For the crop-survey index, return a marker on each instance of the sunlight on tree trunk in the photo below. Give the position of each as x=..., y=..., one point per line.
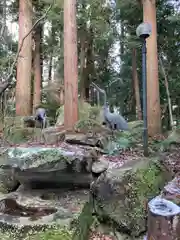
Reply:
x=136, y=85
x=23, y=84
x=154, y=112
x=37, y=68
x=70, y=64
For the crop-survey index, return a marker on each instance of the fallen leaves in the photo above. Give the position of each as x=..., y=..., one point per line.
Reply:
x=100, y=236
x=172, y=160
x=117, y=161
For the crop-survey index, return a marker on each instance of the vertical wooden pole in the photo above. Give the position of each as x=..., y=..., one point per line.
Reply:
x=70, y=64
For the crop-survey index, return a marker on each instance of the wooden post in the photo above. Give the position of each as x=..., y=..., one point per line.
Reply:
x=70, y=64
x=163, y=220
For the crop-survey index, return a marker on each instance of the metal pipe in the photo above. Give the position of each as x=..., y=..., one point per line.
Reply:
x=144, y=81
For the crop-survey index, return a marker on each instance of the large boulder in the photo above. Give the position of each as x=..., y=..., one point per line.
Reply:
x=120, y=194
x=65, y=166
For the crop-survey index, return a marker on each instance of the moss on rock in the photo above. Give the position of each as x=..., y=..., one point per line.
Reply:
x=48, y=234
x=122, y=194
x=56, y=234
x=144, y=184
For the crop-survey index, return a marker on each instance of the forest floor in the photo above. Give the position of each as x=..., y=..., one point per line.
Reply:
x=117, y=160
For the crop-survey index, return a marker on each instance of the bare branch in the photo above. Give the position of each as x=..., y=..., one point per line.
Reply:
x=167, y=92
x=97, y=88
x=20, y=48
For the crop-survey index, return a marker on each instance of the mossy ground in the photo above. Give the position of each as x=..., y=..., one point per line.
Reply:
x=49, y=234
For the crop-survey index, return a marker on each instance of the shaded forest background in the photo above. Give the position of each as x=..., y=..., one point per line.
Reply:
x=109, y=54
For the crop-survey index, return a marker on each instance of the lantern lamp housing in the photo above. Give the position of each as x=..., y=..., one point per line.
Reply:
x=144, y=30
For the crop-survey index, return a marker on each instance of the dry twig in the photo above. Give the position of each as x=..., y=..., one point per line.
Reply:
x=167, y=92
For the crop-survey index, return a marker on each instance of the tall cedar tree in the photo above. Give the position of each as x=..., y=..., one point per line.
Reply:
x=70, y=64
x=37, y=67
x=153, y=107
x=24, y=63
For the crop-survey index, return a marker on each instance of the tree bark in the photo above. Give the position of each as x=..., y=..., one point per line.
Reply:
x=37, y=68
x=163, y=224
x=136, y=85
x=4, y=13
x=70, y=64
x=122, y=40
x=83, y=46
x=153, y=106
x=82, y=67
x=90, y=69
x=23, y=84
x=50, y=68
x=51, y=53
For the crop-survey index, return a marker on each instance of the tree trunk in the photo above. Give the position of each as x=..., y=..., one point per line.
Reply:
x=163, y=220
x=83, y=60
x=90, y=69
x=23, y=84
x=70, y=64
x=87, y=89
x=50, y=68
x=41, y=51
x=37, y=68
x=82, y=67
x=4, y=13
x=51, y=53
x=153, y=102
x=122, y=40
x=136, y=85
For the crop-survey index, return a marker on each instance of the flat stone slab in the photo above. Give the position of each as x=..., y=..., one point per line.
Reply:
x=68, y=205
x=64, y=165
